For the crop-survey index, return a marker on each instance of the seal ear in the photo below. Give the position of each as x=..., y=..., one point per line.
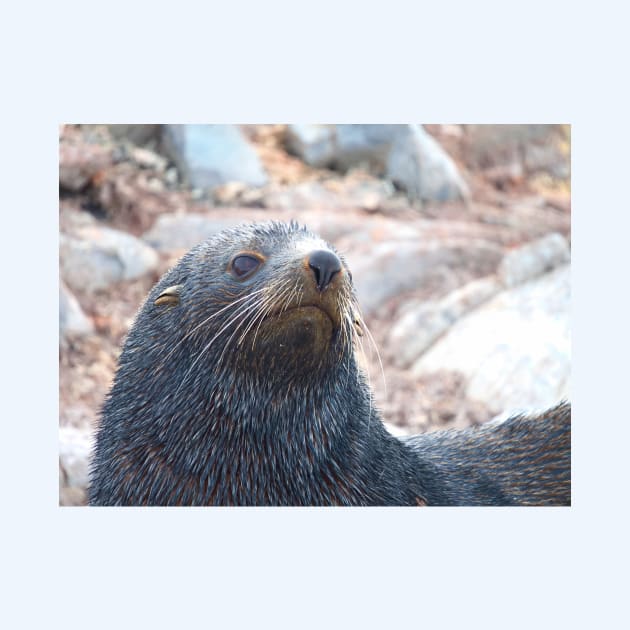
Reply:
x=169, y=297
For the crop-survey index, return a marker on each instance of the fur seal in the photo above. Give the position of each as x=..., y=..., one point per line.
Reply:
x=238, y=385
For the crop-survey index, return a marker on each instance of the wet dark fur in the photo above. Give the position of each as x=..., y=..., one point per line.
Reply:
x=268, y=423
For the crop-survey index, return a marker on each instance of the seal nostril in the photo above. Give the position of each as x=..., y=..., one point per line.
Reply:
x=324, y=265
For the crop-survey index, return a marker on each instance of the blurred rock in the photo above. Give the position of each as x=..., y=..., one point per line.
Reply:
x=136, y=134
x=419, y=165
x=79, y=162
x=531, y=260
x=171, y=177
x=492, y=145
x=177, y=232
x=80, y=415
x=230, y=193
x=365, y=193
x=74, y=452
x=71, y=220
x=343, y=146
x=546, y=157
x=407, y=154
x=148, y=159
x=97, y=257
x=527, y=219
x=510, y=413
x=532, y=147
x=333, y=226
x=394, y=430
x=315, y=144
x=455, y=131
x=133, y=198
x=72, y=496
x=355, y=144
x=301, y=196
x=211, y=155
x=390, y=268
x=422, y=322
x=505, y=175
x=514, y=350
x=561, y=202
x=72, y=319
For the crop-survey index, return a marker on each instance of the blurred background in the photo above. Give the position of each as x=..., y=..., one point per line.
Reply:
x=458, y=237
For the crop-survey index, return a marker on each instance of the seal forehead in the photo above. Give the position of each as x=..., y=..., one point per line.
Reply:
x=268, y=231
x=308, y=243
x=276, y=236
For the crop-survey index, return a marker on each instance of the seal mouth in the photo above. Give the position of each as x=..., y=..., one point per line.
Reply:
x=308, y=309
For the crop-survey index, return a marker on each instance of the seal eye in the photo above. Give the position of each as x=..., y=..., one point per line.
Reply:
x=244, y=265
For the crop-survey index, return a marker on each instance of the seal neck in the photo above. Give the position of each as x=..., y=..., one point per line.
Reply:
x=236, y=439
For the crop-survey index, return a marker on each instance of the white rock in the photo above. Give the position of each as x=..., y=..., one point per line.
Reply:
x=96, y=257
x=532, y=260
x=515, y=350
x=394, y=430
x=423, y=322
x=175, y=232
x=75, y=446
x=72, y=319
x=388, y=269
x=417, y=163
x=211, y=155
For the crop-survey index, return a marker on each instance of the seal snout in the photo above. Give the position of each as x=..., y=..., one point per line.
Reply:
x=324, y=264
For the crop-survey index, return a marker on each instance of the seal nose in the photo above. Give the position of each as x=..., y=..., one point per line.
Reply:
x=324, y=265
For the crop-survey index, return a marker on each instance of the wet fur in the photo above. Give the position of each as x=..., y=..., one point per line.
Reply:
x=211, y=408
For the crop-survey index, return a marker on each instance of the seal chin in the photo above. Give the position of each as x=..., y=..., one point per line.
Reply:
x=294, y=341
x=305, y=325
x=312, y=311
x=308, y=312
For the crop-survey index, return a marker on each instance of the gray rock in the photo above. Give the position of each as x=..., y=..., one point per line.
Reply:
x=79, y=162
x=388, y=269
x=75, y=445
x=421, y=323
x=532, y=260
x=136, y=134
x=355, y=144
x=175, y=232
x=72, y=319
x=96, y=257
x=514, y=350
x=315, y=144
x=407, y=155
x=343, y=146
x=419, y=165
x=211, y=155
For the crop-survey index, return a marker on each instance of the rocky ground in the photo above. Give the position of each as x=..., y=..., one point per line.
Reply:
x=460, y=251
